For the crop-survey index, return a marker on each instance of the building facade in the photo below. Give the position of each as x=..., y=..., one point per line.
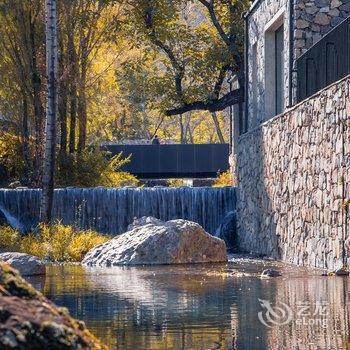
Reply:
x=278, y=33
x=293, y=159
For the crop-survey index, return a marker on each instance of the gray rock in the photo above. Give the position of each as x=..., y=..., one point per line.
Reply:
x=228, y=230
x=144, y=221
x=341, y=272
x=154, y=242
x=27, y=265
x=270, y=273
x=15, y=184
x=322, y=19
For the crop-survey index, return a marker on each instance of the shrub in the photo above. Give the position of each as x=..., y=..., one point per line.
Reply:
x=82, y=243
x=33, y=245
x=225, y=179
x=9, y=239
x=92, y=168
x=57, y=242
x=176, y=183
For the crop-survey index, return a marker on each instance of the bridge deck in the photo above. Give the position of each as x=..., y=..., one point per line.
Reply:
x=174, y=161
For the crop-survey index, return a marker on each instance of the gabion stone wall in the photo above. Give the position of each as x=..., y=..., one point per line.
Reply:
x=315, y=18
x=294, y=183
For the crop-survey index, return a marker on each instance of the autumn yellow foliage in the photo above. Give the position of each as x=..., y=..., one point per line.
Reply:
x=56, y=242
x=9, y=239
x=225, y=179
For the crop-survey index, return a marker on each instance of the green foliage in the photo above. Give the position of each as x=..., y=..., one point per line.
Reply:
x=58, y=242
x=188, y=42
x=92, y=168
x=122, y=64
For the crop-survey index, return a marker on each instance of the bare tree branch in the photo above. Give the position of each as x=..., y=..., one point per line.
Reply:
x=210, y=7
x=231, y=98
x=179, y=69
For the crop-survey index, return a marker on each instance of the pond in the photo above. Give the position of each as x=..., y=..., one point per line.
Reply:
x=205, y=307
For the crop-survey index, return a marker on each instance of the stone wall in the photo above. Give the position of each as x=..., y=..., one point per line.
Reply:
x=315, y=18
x=294, y=182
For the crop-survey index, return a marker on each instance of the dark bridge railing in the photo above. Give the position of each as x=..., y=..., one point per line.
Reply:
x=174, y=161
x=326, y=62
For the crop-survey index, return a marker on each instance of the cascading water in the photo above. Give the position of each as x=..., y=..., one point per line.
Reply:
x=11, y=220
x=111, y=210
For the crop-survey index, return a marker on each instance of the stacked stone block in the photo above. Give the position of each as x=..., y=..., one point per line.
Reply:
x=315, y=18
x=294, y=183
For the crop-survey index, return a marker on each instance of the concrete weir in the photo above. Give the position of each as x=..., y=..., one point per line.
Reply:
x=110, y=210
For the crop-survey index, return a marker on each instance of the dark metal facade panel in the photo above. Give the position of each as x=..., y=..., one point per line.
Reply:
x=326, y=62
x=174, y=161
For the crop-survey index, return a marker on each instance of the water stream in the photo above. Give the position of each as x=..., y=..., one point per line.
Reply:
x=206, y=306
x=112, y=210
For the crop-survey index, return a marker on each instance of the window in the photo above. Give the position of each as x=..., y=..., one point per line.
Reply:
x=275, y=66
x=255, y=85
x=279, y=70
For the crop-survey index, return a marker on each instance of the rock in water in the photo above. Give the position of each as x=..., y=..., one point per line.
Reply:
x=154, y=242
x=270, y=273
x=29, y=321
x=341, y=272
x=27, y=265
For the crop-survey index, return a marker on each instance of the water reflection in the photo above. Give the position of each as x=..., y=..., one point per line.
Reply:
x=206, y=307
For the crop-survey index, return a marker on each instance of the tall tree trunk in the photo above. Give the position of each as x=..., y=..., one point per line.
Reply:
x=82, y=113
x=62, y=103
x=181, y=129
x=25, y=134
x=51, y=111
x=37, y=105
x=72, y=58
x=73, y=116
x=217, y=127
x=62, y=111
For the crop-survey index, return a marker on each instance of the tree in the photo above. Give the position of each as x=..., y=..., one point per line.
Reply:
x=51, y=111
x=21, y=78
x=199, y=43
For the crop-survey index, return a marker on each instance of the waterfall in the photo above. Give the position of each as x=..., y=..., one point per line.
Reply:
x=11, y=220
x=108, y=210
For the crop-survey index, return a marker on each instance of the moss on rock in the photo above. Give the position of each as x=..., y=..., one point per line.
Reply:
x=28, y=320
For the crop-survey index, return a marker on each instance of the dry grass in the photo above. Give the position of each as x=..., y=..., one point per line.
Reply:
x=57, y=242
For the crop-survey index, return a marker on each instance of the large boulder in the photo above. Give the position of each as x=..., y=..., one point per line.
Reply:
x=29, y=321
x=155, y=242
x=27, y=265
x=228, y=231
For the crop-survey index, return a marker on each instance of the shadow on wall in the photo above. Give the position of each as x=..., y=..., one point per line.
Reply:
x=257, y=229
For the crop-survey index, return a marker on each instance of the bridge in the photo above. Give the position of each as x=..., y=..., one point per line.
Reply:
x=192, y=161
